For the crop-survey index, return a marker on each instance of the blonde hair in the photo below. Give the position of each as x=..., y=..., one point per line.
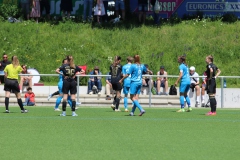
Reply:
x=116, y=60
x=130, y=59
x=15, y=61
x=71, y=61
x=210, y=57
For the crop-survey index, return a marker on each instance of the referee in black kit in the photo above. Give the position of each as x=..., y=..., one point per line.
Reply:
x=69, y=84
x=212, y=73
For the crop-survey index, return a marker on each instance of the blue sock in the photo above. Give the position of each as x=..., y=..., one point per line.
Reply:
x=58, y=101
x=133, y=108
x=182, y=101
x=136, y=103
x=69, y=101
x=125, y=102
x=188, y=101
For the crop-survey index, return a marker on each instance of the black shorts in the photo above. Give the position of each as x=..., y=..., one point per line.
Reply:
x=11, y=85
x=211, y=86
x=69, y=85
x=117, y=86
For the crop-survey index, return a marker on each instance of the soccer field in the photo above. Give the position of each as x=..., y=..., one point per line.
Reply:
x=100, y=133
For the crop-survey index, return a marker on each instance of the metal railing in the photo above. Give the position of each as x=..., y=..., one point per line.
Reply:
x=150, y=77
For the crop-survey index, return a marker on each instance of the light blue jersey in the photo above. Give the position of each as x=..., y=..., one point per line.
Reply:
x=136, y=71
x=185, y=74
x=125, y=69
x=185, y=80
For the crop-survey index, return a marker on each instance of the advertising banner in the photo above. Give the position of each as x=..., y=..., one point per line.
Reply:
x=209, y=8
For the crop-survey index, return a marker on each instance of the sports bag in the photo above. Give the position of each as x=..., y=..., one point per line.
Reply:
x=173, y=90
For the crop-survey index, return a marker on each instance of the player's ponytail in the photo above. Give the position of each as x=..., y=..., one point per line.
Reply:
x=182, y=59
x=71, y=61
x=15, y=61
x=137, y=59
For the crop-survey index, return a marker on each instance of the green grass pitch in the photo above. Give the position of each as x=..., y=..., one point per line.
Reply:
x=100, y=133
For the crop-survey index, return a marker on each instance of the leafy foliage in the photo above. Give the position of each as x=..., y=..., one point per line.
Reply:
x=9, y=10
x=43, y=46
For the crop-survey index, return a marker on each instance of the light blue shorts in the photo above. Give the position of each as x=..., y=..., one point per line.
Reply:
x=135, y=88
x=184, y=88
x=126, y=89
x=119, y=4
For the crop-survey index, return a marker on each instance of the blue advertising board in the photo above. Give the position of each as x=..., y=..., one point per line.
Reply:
x=209, y=8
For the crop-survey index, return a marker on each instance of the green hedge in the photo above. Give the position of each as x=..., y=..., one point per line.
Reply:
x=43, y=46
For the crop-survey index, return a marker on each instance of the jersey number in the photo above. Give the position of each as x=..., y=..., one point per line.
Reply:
x=70, y=72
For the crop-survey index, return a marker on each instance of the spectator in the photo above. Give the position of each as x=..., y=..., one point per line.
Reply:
x=66, y=6
x=145, y=79
x=195, y=84
x=95, y=81
x=120, y=4
x=99, y=10
x=35, y=13
x=25, y=80
x=45, y=4
x=25, y=4
x=162, y=81
x=105, y=3
x=204, y=82
x=142, y=9
x=29, y=98
x=88, y=4
x=156, y=16
x=109, y=89
x=3, y=63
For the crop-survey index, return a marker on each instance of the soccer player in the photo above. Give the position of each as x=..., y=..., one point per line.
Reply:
x=69, y=84
x=116, y=75
x=136, y=70
x=184, y=84
x=127, y=81
x=212, y=73
x=60, y=87
x=11, y=72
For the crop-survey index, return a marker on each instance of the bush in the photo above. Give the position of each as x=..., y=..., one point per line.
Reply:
x=9, y=10
x=229, y=17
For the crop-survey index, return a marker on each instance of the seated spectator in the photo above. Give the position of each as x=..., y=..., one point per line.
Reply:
x=204, y=82
x=109, y=89
x=145, y=79
x=29, y=98
x=195, y=84
x=3, y=63
x=95, y=83
x=25, y=80
x=162, y=81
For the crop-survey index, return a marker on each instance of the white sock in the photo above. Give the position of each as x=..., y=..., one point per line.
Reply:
x=198, y=99
x=203, y=98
